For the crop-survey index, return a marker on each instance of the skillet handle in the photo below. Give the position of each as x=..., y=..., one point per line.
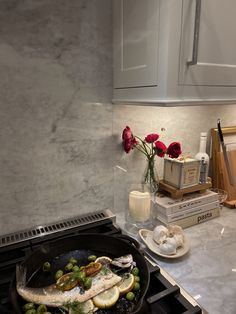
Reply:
x=129, y=239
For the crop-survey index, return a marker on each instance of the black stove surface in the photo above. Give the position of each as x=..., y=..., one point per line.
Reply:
x=162, y=297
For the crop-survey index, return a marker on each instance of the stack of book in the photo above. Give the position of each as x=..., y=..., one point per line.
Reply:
x=190, y=210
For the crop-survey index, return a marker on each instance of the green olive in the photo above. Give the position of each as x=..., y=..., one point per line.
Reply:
x=75, y=268
x=136, y=278
x=69, y=267
x=73, y=260
x=33, y=311
x=87, y=283
x=81, y=276
x=130, y=296
x=135, y=271
x=41, y=309
x=136, y=286
x=58, y=274
x=92, y=258
x=28, y=306
x=46, y=267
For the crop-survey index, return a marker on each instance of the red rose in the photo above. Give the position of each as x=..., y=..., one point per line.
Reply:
x=151, y=138
x=160, y=148
x=127, y=134
x=174, y=150
x=129, y=144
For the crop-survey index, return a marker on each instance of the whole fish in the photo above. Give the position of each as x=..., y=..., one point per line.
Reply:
x=53, y=297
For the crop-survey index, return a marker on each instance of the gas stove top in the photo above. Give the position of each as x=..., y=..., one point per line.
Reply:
x=164, y=294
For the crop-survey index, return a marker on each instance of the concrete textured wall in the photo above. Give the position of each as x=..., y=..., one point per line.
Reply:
x=55, y=110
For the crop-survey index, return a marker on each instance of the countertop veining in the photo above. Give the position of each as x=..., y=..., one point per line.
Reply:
x=208, y=271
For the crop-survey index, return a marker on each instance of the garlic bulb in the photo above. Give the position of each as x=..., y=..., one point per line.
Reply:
x=174, y=229
x=160, y=233
x=177, y=233
x=168, y=247
x=179, y=238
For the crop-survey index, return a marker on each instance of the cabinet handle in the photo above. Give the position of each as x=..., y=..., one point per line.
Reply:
x=196, y=33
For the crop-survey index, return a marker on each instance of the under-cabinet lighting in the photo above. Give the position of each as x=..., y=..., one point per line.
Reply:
x=198, y=296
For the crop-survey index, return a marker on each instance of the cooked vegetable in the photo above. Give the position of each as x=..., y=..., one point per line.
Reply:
x=33, y=311
x=41, y=309
x=69, y=267
x=87, y=283
x=92, y=258
x=86, y=279
x=80, y=276
x=59, y=274
x=66, y=282
x=136, y=278
x=28, y=306
x=130, y=296
x=46, y=267
x=136, y=286
x=73, y=260
x=92, y=268
x=75, y=268
x=135, y=271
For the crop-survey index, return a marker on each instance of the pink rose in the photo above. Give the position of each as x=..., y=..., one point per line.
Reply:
x=160, y=148
x=151, y=138
x=174, y=150
x=127, y=134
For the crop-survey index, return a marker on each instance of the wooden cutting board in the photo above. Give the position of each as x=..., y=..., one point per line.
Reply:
x=231, y=189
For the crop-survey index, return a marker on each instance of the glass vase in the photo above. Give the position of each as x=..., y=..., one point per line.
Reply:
x=150, y=177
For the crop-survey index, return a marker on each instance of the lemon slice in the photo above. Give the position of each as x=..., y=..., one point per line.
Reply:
x=126, y=284
x=66, y=282
x=107, y=298
x=85, y=308
x=104, y=260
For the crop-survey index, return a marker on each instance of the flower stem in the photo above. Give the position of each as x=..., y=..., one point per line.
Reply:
x=145, y=147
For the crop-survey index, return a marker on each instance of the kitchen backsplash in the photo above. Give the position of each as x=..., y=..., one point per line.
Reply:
x=55, y=110
x=60, y=136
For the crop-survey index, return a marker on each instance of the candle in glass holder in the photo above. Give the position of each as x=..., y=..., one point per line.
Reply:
x=139, y=206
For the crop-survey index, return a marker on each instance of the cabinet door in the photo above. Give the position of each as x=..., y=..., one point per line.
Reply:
x=135, y=26
x=216, y=49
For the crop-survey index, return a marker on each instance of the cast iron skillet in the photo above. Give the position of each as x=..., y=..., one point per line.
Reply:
x=79, y=246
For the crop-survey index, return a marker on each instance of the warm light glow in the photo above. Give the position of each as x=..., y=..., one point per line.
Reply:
x=139, y=205
x=222, y=231
x=198, y=296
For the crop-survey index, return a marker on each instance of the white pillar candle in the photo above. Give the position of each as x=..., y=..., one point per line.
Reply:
x=139, y=205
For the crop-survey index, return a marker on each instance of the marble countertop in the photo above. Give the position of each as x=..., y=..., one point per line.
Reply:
x=208, y=271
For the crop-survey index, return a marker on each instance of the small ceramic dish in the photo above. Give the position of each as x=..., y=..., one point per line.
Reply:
x=147, y=237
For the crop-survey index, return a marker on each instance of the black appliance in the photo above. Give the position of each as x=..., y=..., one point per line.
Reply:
x=163, y=296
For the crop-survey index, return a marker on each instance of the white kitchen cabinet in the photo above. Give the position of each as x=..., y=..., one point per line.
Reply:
x=174, y=52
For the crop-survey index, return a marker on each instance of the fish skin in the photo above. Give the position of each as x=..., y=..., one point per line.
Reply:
x=52, y=297
x=123, y=262
x=124, y=259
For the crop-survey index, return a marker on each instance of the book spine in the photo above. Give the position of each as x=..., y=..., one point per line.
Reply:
x=186, y=204
x=195, y=219
x=188, y=212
